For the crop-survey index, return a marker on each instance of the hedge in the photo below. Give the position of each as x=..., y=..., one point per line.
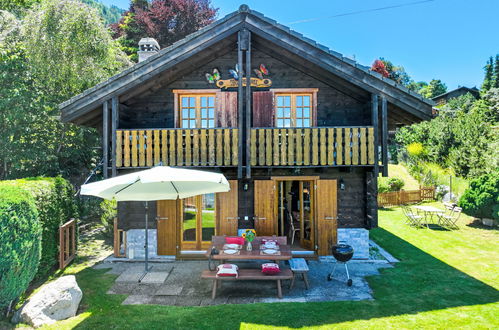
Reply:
x=20, y=242
x=55, y=204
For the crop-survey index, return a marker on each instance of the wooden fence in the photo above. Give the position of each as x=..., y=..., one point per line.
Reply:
x=67, y=243
x=177, y=147
x=312, y=146
x=406, y=196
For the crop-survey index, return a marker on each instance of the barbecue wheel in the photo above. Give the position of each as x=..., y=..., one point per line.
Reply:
x=330, y=277
x=349, y=282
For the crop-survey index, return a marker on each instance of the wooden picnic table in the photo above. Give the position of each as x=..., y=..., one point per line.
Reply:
x=243, y=254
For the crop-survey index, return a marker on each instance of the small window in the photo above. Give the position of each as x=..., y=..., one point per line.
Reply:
x=294, y=110
x=197, y=111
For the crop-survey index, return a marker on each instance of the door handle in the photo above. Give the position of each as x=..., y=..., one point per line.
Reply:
x=258, y=218
x=161, y=218
x=232, y=218
x=329, y=218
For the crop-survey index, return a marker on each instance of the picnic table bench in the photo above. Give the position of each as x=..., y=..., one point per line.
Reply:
x=248, y=274
x=299, y=266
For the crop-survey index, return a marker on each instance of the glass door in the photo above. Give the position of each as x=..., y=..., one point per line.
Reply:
x=306, y=215
x=198, y=222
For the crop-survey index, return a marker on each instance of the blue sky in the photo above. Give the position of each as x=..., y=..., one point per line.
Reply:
x=444, y=39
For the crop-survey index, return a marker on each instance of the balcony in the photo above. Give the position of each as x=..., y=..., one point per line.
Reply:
x=177, y=147
x=319, y=146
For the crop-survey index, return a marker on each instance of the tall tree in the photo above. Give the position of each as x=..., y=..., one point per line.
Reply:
x=165, y=20
x=63, y=48
x=434, y=88
x=496, y=72
x=488, y=80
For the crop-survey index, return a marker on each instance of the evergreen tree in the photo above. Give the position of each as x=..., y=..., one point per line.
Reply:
x=496, y=73
x=434, y=88
x=489, y=75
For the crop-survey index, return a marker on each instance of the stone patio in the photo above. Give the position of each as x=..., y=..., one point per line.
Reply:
x=178, y=283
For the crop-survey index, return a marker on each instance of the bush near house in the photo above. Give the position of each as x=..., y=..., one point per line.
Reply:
x=20, y=244
x=390, y=184
x=54, y=201
x=481, y=199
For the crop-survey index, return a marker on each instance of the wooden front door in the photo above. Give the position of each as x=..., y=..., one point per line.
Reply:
x=327, y=215
x=227, y=208
x=264, y=202
x=167, y=226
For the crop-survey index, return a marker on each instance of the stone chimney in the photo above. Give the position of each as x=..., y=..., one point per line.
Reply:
x=147, y=48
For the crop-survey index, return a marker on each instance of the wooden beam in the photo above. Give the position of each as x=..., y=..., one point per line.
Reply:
x=248, y=103
x=114, y=126
x=375, y=124
x=384, y=135
x=240, y=105
x=105, y=138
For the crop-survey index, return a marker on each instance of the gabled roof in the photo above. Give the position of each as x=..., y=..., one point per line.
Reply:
x=266, y=28
x=474, y=91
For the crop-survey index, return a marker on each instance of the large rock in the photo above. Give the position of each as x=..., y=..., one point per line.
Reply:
x=57, y=300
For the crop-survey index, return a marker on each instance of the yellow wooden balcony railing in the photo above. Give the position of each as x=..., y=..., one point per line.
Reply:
x=177, y=147
x=319, y=146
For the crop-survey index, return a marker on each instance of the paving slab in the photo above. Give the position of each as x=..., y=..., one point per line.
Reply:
x=155, y=277
x=188, y=301
x=146, y=289
x=132, y=274
x=169, y=290
x=122, y=288
x=164, y=300
x=137, y=300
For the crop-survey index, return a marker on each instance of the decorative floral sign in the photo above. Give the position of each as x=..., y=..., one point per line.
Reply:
x=238, y=75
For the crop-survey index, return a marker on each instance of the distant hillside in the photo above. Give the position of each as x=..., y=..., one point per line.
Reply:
x=110, y=14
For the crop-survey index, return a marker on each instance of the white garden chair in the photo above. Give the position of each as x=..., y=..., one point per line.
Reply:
x=412, y=219
x=450, y=220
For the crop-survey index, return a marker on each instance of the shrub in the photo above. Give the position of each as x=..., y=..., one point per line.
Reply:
x=108, y=213
x=20, y=244
x=481, y=199
x=55, y=204
x=415, y=149
x=390, y=184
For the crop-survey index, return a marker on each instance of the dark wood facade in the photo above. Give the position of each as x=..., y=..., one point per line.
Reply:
x=341, y=151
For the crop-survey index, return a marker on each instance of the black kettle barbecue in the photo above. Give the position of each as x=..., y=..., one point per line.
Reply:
x=342, y=252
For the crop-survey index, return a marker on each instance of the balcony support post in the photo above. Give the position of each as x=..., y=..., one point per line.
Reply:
x=105, y=138
x=384, y=135
x=248, y=105
x=372, y=176
x=114, y=126
x=240, y=104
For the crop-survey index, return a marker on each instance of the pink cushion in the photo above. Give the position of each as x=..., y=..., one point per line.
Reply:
x=270, y=268
x=227, y=270
x=234, y=240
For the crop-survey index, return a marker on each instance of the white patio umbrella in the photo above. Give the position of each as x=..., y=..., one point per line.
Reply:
x=157, y=183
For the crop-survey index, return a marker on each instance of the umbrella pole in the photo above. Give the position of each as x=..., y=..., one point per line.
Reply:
x=146, y=245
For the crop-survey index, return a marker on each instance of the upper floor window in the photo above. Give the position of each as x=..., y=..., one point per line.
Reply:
x=197, y=110
x=293, y=110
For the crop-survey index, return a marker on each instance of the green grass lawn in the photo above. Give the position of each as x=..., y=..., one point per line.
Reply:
x=446, y=279
x=401, y=172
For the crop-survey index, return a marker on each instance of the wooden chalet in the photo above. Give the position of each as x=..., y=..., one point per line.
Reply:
x=305, y=139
